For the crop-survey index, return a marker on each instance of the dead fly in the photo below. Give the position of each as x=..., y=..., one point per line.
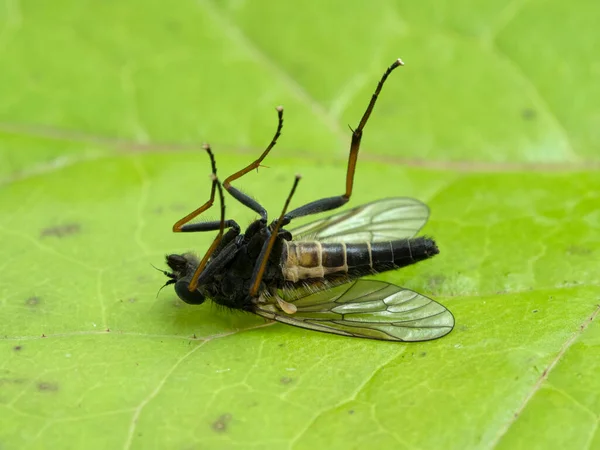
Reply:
x=309, y=276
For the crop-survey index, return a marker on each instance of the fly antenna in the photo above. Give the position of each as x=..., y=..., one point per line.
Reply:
x=164, y=272
x=171, y=281
x=168, y=274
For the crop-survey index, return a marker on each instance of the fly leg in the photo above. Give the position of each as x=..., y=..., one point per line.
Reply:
x=232, y=232
x=218, y=245
x=240, y=196
x=327, y=204
x=226, y=254
x=182, y=285
x=273, y=233
x=180, y=225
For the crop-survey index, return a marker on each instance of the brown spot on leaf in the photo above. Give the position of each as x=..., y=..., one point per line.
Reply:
x=578, y=250
x=47, y=386
x=351, y=411
x=17, y=348
x=33, y=301
x=286, y=380
x=12, y=381
x=220, y=425
x=528, y=114
x=61, y=231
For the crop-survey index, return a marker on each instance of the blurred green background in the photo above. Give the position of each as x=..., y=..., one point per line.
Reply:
x=494, y=122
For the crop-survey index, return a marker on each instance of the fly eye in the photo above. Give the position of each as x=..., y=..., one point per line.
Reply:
x=182, y=291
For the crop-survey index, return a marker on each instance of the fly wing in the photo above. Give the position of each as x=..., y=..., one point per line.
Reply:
x=389, y=219
x=365, y=308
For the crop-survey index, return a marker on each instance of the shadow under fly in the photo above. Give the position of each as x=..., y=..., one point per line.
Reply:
x=310, y=276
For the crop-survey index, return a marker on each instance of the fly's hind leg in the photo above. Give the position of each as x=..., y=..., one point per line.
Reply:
x=327, y=204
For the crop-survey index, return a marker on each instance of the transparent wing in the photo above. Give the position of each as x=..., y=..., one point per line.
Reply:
x=365, y=308
x=383, y=220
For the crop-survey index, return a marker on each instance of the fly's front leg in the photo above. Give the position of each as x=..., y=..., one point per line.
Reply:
x=232, y=233
x=180, y=225
x=327, y=204
x=217, y=242
x=218, y=262
x=183, y=225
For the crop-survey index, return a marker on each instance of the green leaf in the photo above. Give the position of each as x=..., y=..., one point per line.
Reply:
x=493, y=122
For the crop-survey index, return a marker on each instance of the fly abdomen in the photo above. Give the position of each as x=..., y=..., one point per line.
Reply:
x=303, y=260
x=401, y=253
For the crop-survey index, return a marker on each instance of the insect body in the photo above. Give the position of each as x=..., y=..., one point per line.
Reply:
x=310, y=276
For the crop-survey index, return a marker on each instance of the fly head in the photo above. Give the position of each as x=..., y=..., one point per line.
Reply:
x=183, y=268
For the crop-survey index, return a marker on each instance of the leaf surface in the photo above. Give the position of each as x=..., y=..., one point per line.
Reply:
x=493, y=123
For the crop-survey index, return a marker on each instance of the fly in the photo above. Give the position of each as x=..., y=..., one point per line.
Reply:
x=310, y=276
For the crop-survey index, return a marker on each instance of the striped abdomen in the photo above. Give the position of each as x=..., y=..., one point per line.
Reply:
x=313, y=259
